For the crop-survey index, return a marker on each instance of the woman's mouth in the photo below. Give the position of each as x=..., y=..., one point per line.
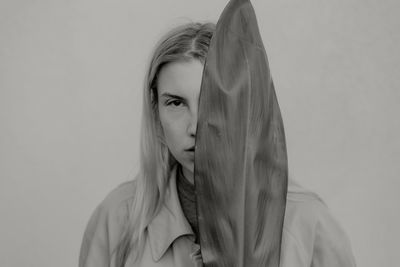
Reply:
x=191, y=149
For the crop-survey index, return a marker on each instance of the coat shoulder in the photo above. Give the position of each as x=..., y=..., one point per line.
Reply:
x=103, y=231
x=121, y=195
x=311, y=234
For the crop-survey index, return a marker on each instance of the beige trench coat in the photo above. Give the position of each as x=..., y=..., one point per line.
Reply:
x=311, y=236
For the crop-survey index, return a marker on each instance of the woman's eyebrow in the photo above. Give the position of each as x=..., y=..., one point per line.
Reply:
x=172, y=96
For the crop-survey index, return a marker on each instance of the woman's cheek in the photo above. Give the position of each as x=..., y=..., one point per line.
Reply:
x=175, y=115
x=171, y=124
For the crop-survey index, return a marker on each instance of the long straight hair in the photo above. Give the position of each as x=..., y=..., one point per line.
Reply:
x=186, y=42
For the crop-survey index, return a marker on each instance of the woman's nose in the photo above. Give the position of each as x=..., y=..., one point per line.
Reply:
x=192, y=127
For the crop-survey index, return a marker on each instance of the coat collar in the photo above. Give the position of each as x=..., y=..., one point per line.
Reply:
x=169, y=223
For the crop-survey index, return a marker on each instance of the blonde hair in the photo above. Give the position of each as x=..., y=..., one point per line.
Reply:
x=186, y=42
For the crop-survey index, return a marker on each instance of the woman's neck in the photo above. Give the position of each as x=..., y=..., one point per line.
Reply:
x=189, y=176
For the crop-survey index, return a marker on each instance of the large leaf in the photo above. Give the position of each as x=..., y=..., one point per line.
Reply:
x=240, y=159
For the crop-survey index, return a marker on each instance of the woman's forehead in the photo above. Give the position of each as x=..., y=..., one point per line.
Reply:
x=181, y=78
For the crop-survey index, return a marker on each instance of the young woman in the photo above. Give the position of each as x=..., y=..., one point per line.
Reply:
x=151, y=220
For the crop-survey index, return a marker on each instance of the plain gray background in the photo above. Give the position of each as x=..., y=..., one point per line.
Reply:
x=71, y=75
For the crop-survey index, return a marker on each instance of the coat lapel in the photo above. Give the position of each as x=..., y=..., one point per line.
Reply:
x=170, y=222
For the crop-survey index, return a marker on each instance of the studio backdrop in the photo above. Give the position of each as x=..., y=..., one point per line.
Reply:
x=71, y=76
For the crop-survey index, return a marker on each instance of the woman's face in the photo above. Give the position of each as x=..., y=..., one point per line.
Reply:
x=178, y=98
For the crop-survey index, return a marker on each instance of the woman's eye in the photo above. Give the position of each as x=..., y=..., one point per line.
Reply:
x=175, y=103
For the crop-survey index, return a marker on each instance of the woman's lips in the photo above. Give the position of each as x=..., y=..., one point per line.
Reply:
x=190, y=153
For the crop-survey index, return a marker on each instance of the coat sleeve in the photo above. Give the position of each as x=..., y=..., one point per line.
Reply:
x=103, y=231
x=95, y=245
x=331, y=245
